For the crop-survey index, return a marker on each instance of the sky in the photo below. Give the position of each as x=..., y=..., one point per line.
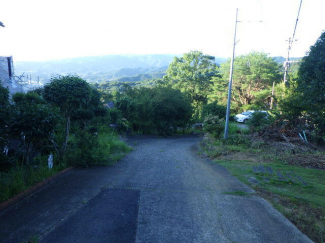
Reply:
x=39, y=30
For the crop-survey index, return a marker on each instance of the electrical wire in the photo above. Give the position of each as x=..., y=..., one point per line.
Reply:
x=261, y=12
x=294, y=31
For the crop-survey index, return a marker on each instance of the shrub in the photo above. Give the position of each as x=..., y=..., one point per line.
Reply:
x=19, y=178
x=86, y=148
x=237, y=139
x=214, y=109
x=159, y=110
x=214, y=126
x=259, y=120
x=33, y=123
x=115, y=115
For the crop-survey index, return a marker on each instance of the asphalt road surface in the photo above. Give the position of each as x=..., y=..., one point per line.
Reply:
x=163, y=191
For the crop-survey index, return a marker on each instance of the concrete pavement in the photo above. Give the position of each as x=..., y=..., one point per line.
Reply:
x=163, y=191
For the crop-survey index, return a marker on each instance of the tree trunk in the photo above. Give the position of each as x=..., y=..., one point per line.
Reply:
x=271, y=104
x=67, y=131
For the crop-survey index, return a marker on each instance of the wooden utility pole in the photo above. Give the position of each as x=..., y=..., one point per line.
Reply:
x=286, y=64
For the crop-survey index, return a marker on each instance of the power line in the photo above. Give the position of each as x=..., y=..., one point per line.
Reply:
x=261, y=12
x=294, y=32
x=291, y=40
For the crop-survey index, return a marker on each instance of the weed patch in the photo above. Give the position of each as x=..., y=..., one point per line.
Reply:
x=105, y=149
x=295, y=190
x=102, y=149
x=18, y=179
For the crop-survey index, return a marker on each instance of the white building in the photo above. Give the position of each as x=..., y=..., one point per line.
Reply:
x=7, y=74
x=6, y=69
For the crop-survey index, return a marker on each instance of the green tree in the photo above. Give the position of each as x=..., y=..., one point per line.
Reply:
x=4, y=109
x=69, y=93
x=91, y=115
x=214, y=109
x=33, y=122
x=311, y=84
x=6, y=115
x=253, y=76
x=192, y=73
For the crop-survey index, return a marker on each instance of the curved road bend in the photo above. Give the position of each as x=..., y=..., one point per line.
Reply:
x=163, y=191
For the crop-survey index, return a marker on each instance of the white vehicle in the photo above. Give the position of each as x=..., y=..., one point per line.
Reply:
x=243, y=117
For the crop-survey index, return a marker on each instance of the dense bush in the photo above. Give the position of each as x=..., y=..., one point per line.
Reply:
x=115, y=115
x=214, y=126
x=33, y=127
x=305, y=99
x=259, y=120
x=159, y=110
x=214, y=109
x=84, y=149
x=88, y=148
x=237, y=139
x=5, y=121
x=34, y=121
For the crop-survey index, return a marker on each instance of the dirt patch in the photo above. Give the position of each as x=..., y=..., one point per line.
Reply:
x=240, y=156
x=307, y=161
x=290, y=145
x=282, y=147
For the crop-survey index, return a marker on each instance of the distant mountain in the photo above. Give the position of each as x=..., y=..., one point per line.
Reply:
x=143, y=76
x=96, y=69
x=107, y=67
x=281, y=60
x=99, y=68
x=96, y=63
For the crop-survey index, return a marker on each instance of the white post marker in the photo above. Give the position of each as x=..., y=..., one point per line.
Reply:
x=50, y=161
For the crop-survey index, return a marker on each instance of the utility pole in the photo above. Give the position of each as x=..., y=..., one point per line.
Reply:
x=287, y=64
x=230, y=81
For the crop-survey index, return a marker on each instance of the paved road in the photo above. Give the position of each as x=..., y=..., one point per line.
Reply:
x=163, y=191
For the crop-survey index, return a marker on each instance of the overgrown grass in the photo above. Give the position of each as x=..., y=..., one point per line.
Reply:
x=303, y=203
x=235, y=129
x=103, y=148
x=117, y=149
x=107, y=150
x=312, y=192
x=19, y=178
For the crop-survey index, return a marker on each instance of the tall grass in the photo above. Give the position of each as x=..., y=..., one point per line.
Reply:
x=235, y=129
x=86, y=149
x=115, y=148
x=20, y=178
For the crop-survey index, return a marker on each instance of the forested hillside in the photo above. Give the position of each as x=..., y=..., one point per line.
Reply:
x=98, y=69
x=101, y=69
